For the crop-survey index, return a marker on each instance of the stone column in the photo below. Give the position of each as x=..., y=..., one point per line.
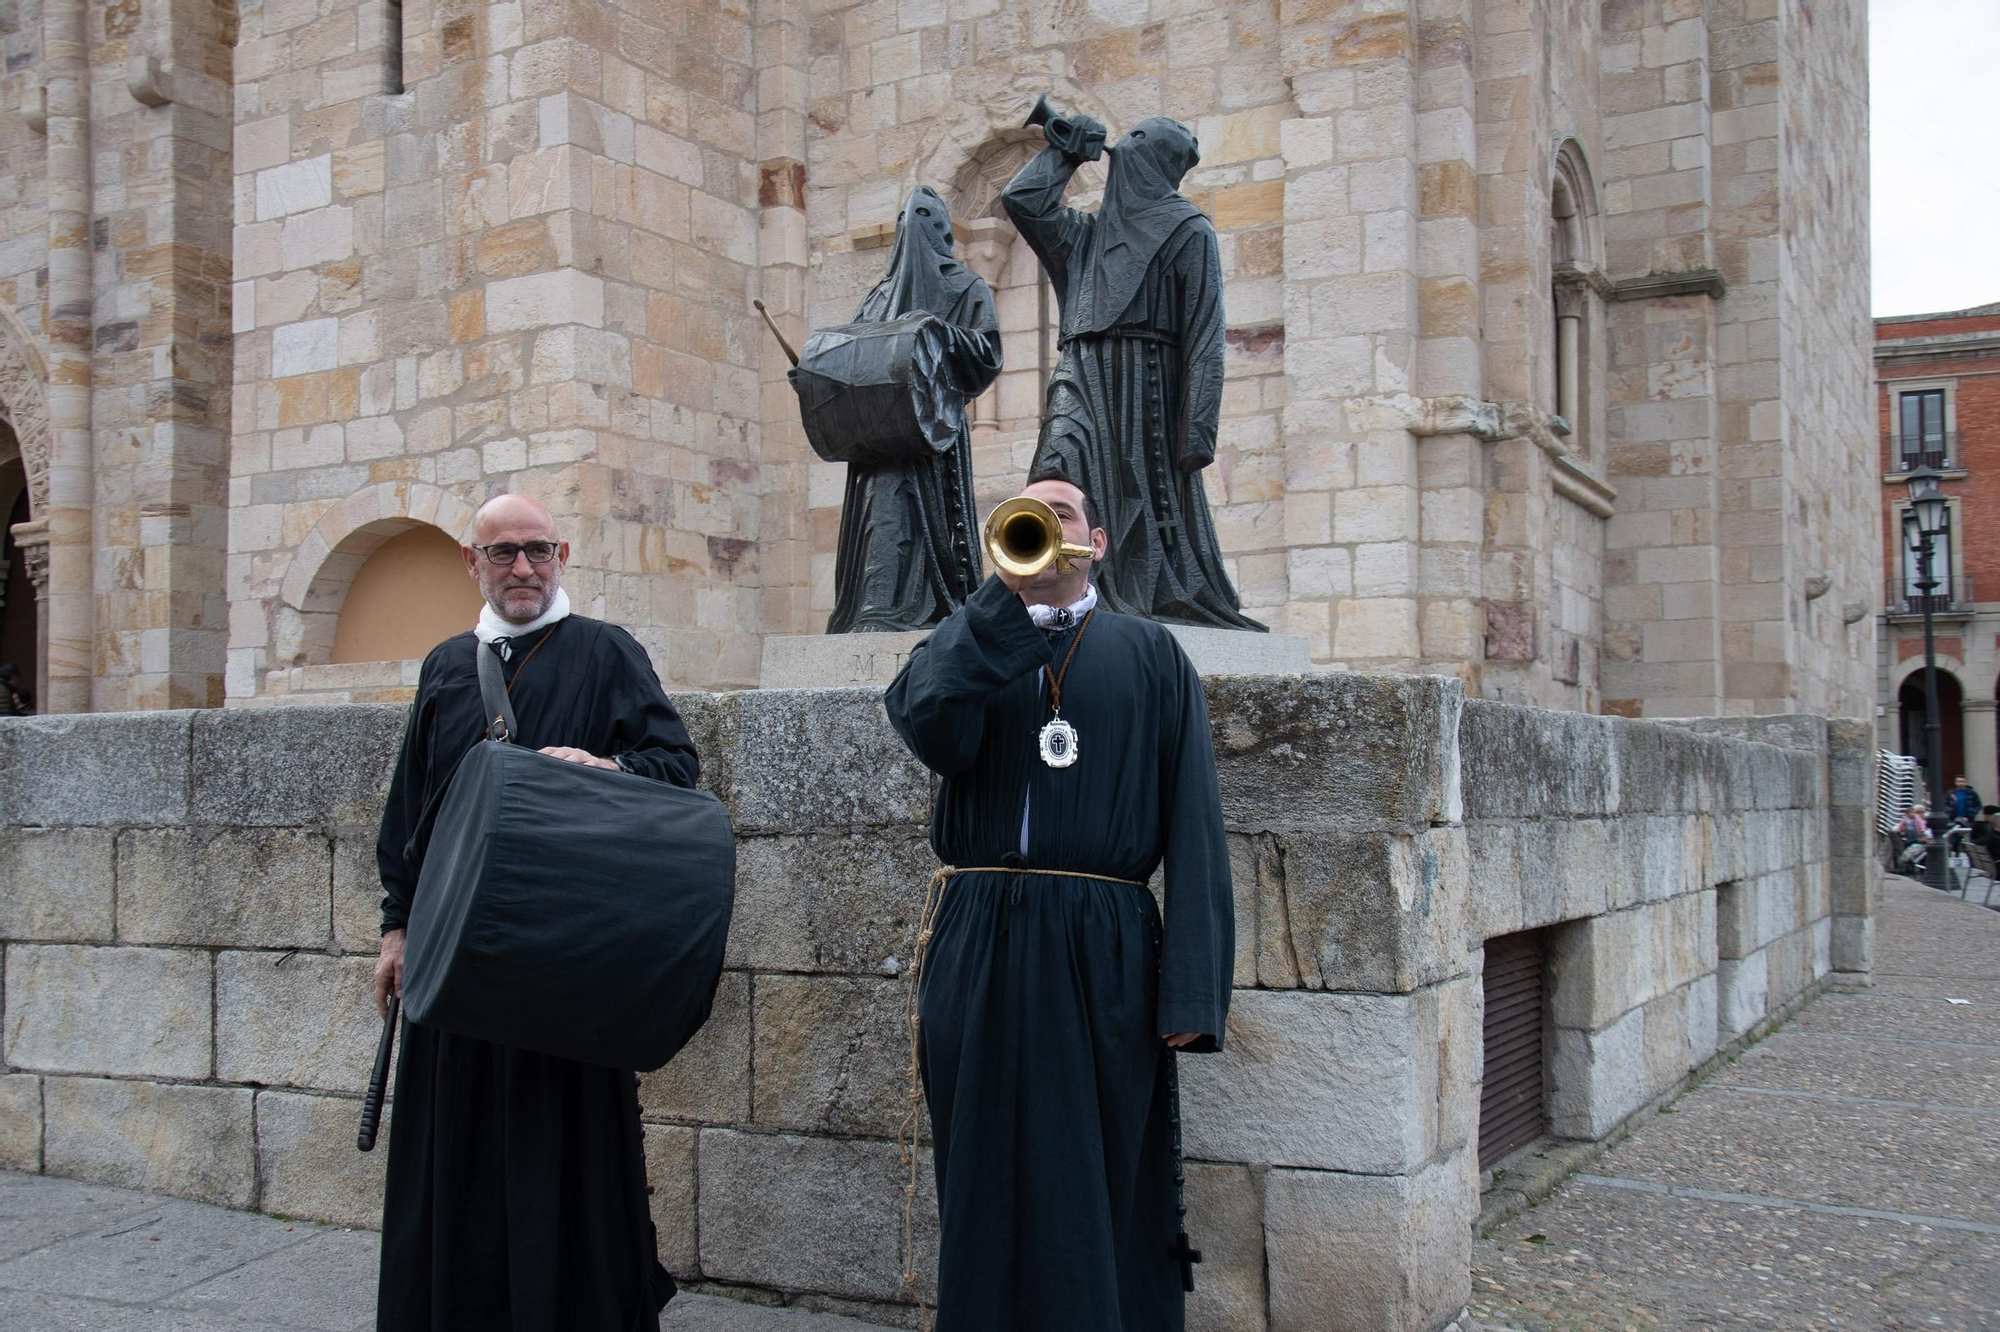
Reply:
x=31, y=539
x=1351, y=315
x=785, y=547
x=160, y=382
x=1663, y=641
x=70, y=655
x=1982, y=755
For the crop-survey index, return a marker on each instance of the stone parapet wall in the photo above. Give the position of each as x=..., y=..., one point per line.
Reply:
x=187, y=903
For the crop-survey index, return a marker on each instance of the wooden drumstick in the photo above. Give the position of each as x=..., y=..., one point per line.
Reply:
x=774, y=331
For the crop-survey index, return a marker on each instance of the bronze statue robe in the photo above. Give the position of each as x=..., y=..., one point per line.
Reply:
x=1137, y=390
x=909, y=543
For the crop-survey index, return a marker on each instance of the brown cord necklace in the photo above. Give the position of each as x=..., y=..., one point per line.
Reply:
x=1058, y=738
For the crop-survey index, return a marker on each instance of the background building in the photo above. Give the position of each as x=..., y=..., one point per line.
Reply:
x=1938, y=392
x=1547, y=359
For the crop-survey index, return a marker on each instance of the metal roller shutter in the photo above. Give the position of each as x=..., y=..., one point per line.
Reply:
x=1511, y=1108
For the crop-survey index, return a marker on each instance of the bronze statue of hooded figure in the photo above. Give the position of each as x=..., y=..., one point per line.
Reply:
x=1136, y=394
x=908, y=554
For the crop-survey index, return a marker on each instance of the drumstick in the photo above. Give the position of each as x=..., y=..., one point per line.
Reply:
x=774, y=331
x=378, y=1084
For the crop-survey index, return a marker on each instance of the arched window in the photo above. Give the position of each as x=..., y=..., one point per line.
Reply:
x=410, y=594
x=1576, y=273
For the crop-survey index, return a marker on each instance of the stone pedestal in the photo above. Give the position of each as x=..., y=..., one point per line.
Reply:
x=831, y=661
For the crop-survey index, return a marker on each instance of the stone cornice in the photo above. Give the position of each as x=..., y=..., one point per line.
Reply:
x=1941, y=347
x=1693, y=282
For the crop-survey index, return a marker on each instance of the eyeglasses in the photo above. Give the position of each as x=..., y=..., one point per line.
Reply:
x=504, y=552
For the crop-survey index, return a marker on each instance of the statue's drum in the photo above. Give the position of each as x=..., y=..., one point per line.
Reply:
x=879, y=393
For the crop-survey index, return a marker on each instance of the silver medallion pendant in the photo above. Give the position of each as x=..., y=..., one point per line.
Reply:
x=1058, y=744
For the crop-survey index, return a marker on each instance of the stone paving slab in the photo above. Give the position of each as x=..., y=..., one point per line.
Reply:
x=1905, y=1017
x=151, y=1254
x=1612, y=1260
x=1924, y=1162
x=90, y=1258
x=35, y=1211
x=1892, y=1068
x=1737, y=1208
x=327, y=1284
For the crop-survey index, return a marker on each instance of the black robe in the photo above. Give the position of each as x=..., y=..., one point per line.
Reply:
x=1044, y=1000
x=908, y=553
x=517, y=1182
x=1136, y=395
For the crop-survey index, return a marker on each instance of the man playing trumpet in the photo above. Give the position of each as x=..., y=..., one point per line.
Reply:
x=1073, y=744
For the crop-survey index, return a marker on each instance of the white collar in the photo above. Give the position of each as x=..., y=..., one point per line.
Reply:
x=491, y=626
x=1045, y=617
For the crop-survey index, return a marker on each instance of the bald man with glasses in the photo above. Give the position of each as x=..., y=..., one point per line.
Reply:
x=517, y=1182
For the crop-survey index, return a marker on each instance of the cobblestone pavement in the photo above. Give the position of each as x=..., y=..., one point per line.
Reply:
x=1842, y=1173
x=86, y=1258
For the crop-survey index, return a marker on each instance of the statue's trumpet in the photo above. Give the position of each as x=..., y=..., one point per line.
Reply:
x=1024, y=537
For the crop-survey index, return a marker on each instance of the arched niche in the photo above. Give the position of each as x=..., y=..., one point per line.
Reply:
x=1576, y=264
x=410, y=594
x=323, y=571
x=971, y=165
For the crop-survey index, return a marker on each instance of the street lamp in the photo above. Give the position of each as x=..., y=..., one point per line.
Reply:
x=1923, y=523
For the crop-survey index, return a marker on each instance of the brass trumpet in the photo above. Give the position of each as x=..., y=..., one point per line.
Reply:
x=1024, y=537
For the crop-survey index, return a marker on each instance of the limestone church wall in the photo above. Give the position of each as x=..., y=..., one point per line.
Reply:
x=188, y=913
x=1546, y=321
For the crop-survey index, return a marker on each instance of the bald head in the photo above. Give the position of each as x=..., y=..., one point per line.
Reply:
x=514, y=513
x=519, y=528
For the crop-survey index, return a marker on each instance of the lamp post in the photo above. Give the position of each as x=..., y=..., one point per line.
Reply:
x=1923, y=523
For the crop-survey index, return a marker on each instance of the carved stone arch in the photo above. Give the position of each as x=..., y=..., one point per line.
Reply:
x=24, y=404
x=979, y=153
x=325, y=563
x=1578, y=230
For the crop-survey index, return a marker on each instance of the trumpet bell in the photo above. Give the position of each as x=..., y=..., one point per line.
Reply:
x=1041, y=115
x=1024, y=537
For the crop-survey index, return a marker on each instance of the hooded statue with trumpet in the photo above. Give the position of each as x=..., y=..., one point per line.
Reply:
x=1133, y=403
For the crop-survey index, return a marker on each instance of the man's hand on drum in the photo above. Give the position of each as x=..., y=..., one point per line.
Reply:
x=583, y=756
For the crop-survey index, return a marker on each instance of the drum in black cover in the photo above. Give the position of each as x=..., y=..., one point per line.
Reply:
x=568, y=910
x=878, y=393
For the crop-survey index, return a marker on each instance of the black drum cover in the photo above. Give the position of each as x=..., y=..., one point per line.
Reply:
x=878, y=393
x=573, y=911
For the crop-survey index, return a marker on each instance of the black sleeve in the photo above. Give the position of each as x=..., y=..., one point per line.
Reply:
x=1033, y=200
x=647, y=735
x=1198, y=951
x=937, y=703
x=1199, y=279
x=404, y=809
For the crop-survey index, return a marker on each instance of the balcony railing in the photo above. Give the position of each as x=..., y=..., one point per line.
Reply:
x=1907, y=453
x=1953, y=597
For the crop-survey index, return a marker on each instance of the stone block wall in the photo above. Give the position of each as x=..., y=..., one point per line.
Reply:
x=1695, y=881
x=188, y=911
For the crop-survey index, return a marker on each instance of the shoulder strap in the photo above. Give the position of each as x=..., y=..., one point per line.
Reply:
x=493, y=690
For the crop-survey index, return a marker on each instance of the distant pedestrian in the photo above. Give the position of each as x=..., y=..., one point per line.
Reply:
x=1985, y=834
x=1962, y=801
x=15, y=700
x=1914, y=831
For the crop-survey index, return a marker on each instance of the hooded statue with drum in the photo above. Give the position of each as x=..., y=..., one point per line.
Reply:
x=886, y=395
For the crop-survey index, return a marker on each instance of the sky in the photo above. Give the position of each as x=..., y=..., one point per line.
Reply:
x=1934, y=110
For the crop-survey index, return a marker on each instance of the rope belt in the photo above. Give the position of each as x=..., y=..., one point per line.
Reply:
x=906, y=1132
